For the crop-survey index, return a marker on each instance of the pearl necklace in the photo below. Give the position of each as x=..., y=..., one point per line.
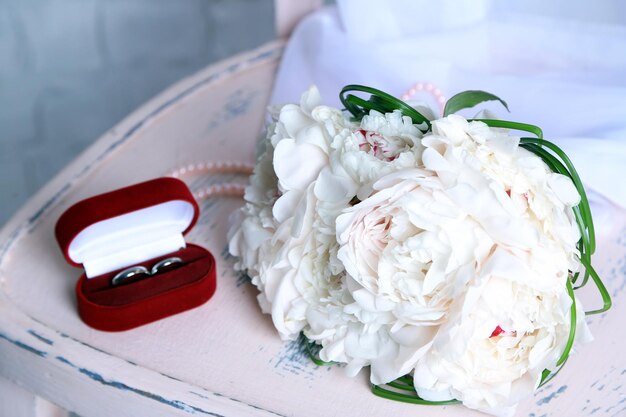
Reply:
x=427, y=87
x=228, y=189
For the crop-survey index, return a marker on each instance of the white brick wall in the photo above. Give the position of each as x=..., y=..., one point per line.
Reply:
x=70, y=69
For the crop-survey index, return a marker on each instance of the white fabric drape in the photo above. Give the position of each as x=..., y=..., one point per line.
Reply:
x=560, y=65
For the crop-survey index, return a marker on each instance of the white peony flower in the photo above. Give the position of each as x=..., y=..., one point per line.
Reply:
x=275, y=240
x=379, y=145
x=513, y=321
x=285, y=238
x=508, y=190
x=445, y=255
x=410, y=251
x=498, y=340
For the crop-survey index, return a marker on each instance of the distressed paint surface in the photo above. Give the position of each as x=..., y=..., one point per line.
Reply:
x=24, y=337
x=180, y=405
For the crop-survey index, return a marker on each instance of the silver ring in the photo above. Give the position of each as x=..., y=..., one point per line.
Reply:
x=165, y=263
x=129, y=273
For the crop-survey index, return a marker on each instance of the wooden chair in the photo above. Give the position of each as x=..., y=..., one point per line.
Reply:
x=223, y=358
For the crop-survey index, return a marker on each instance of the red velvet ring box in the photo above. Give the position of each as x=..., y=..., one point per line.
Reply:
x=139, y=225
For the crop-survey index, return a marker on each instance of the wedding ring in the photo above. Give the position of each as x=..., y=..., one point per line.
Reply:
x=129, y=273
x=165, y=263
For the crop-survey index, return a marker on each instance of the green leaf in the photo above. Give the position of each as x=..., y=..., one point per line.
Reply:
x=468, y=99
x=379, y=101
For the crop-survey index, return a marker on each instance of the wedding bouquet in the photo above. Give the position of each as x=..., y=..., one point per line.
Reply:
x=442, y=253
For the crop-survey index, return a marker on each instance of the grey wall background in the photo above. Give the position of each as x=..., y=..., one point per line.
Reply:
x=71, y=69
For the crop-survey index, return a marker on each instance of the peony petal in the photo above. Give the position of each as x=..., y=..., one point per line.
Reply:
x=332, y=187
x=297, y=165
x=286, y=205
x=370, y=302
x=304, y=215
x=434, y=161
x=292, y=119
x=282, y=293
x=539, y=351
x=253, y=234
x=435, y=276
x=501, y=225
x=564, y=189
x=505, y=144
x=314, y=135
x=310, y=99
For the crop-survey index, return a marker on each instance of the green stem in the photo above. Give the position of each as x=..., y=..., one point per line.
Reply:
x=606, y=297
x=572, y=323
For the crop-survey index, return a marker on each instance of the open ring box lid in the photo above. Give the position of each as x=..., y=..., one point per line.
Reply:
x=138, y=225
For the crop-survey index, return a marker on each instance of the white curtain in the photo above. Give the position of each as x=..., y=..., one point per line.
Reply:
x=559, y=64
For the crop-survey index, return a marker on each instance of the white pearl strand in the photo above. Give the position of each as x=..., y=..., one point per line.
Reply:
x=429, y=88
x=216, y=190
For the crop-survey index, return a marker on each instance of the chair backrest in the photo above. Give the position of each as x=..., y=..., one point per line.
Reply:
x=289, y=12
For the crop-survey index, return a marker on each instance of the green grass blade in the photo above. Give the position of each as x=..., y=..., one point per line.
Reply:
x=401, y=386
x=606, y=297
x=548, y=376
x=572, y=324
x=383, y=102
x=406, y=379
x=468, y=99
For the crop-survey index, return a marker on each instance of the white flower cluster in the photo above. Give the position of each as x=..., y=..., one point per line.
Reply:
x=442, y=255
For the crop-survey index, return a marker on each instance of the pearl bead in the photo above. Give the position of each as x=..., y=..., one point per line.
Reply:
x=428, y=87
x=218, y=168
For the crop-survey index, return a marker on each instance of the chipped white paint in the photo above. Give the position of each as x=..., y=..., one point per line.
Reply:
x=224, y=358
